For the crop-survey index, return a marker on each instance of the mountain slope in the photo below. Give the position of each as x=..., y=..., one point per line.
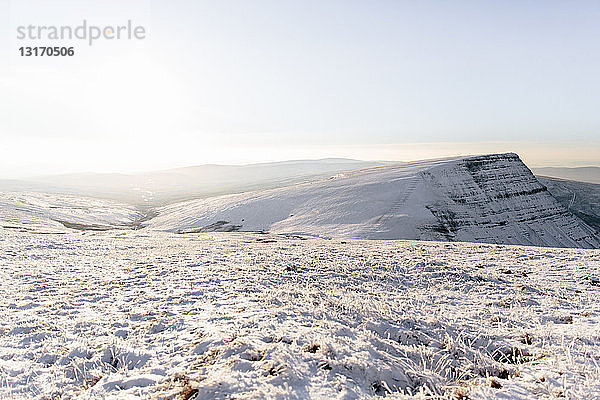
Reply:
x=492, y=198
x=581, y=198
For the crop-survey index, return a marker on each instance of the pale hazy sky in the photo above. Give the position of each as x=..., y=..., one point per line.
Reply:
x=245, y=81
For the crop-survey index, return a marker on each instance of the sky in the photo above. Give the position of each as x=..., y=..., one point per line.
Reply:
x=253, y=81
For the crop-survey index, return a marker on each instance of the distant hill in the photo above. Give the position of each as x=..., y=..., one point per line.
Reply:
x=162, y=187
x=581, y=174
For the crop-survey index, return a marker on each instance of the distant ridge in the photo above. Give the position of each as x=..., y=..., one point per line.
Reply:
x=581, y=174
x=176, y=184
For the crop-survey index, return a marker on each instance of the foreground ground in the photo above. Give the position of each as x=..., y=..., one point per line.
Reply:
x=156, y=315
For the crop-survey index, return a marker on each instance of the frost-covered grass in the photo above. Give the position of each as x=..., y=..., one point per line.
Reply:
x=232, y=315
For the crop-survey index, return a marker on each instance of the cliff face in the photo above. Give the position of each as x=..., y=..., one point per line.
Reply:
x=497, y=199
x=492, y=199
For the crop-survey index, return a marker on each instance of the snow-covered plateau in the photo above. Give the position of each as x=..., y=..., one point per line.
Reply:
x=158, y=315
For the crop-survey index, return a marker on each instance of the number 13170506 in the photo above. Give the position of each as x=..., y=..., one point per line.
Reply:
x=46, y=51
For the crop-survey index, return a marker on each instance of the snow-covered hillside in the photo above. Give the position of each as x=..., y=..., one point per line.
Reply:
x=153, y=315
x=43, y=212
x=492, y=199
x=580, y=198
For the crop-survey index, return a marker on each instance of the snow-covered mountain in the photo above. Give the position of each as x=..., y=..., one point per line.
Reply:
x=492, y=198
